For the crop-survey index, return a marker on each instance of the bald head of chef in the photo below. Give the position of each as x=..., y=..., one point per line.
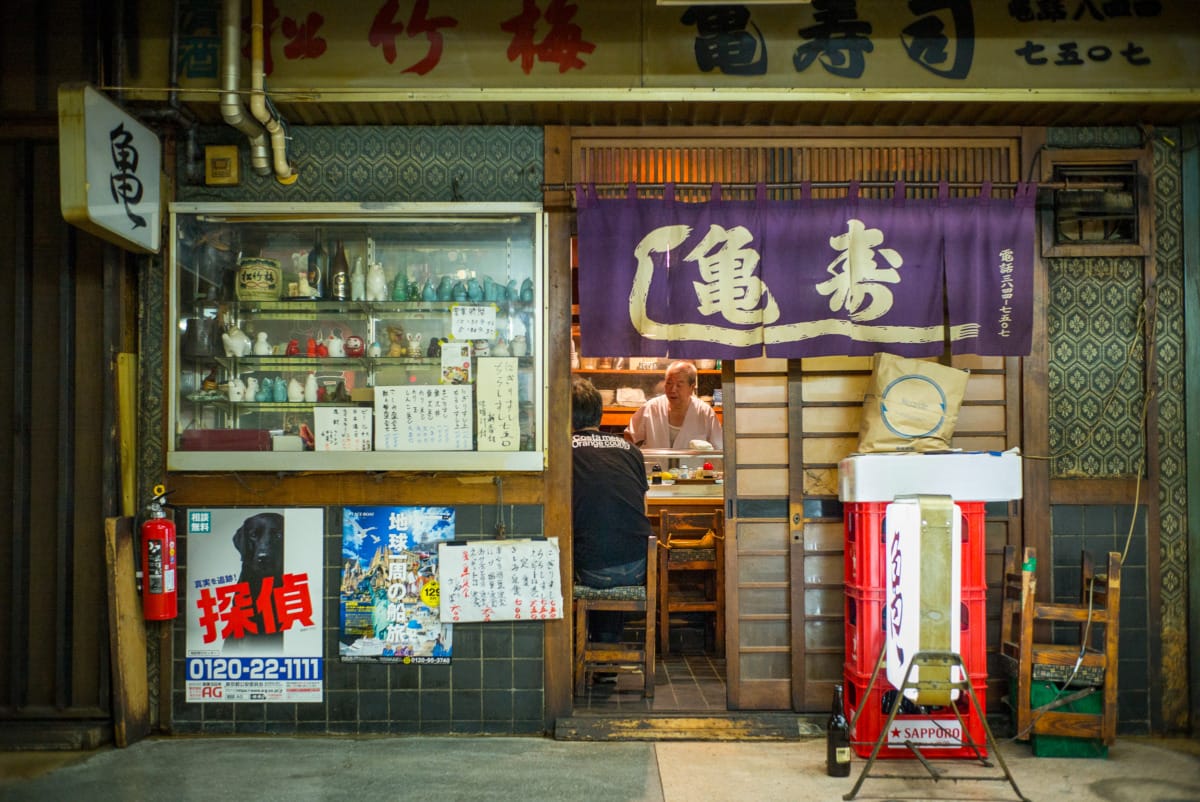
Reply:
x=677, y=417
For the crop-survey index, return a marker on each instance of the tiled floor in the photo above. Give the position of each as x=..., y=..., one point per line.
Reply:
x=683, y=683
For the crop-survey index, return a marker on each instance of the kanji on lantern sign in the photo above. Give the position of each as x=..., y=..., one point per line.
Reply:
x=561, y=45
x=385, y=29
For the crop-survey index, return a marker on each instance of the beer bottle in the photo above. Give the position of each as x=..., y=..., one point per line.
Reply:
x=837, y=739
x=339, y=275
x=318, y=267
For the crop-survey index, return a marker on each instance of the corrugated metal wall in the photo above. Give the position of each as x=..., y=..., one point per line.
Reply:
x=54, y=674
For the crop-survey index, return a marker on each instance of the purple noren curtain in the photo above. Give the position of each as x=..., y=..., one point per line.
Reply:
x=730, y=279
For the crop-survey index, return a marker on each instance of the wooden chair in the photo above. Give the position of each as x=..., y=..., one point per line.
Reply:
x=692, y=551
x=591, y=656
x=1090, y=662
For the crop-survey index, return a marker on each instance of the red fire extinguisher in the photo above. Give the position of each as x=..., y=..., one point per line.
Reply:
x=158, y=561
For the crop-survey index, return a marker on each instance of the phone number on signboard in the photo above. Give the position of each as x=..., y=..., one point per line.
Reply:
x=253, y=668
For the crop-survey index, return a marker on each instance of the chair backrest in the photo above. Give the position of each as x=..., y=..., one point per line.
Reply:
x=691, y=528
x=1017, y=596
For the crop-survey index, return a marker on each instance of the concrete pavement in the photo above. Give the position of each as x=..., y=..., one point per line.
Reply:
x=472, y=769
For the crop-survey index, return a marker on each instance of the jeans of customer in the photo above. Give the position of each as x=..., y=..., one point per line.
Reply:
x=606, y=626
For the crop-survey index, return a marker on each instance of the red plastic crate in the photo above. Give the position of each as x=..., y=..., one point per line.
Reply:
x=866, y=550
x=937, y=724
x=974, y=542
x=972, y=646
x=866, y=629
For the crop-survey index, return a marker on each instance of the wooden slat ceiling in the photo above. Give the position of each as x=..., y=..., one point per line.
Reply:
x=727, y=113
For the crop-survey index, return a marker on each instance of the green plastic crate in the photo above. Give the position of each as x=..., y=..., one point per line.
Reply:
x=1064, y=745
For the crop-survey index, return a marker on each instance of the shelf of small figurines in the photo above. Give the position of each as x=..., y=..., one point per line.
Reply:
x=237, y=344
x=244, y=364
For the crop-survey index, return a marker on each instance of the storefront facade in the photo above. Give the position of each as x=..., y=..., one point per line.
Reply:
x=790, y=421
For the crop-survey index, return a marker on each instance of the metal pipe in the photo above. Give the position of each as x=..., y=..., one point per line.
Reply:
x=176, y=113
x=231, y=105
x=284, y=172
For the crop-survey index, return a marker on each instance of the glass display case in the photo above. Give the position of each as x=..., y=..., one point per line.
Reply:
x=357, y=337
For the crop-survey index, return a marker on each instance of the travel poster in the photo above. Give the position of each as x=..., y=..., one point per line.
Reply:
x=389, y=594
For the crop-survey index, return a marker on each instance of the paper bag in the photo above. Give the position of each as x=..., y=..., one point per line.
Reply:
x=910, y=405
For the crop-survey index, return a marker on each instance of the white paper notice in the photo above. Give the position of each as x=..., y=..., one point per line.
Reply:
x=424, y=417
x=473, y=322
x=500, y=580
x=496, y=404
x=342, y=428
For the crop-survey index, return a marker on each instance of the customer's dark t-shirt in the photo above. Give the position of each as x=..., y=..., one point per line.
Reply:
x=608, y=500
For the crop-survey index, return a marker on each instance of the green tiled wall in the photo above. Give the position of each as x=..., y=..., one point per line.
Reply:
x=1097, y=393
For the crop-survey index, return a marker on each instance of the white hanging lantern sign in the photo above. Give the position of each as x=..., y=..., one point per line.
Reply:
x=923, y=614
x=110, y=170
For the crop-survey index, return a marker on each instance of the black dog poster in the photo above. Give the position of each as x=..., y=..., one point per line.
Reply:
x=253, y=600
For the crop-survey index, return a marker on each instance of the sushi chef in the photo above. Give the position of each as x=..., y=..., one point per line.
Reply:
x=677, y=417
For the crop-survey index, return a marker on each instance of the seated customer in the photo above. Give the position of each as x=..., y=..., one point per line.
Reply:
x=608, y=507
x=677, y=417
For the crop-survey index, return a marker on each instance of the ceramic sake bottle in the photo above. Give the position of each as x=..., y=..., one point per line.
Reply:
x=358, y=281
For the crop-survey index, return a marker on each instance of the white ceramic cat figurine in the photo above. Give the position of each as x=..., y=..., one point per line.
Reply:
x=237, y=390
x=236, y=342
x=295, y=390
x=251, y=389
x=376, y=283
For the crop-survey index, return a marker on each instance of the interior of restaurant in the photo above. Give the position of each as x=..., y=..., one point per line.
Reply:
x=685, y=501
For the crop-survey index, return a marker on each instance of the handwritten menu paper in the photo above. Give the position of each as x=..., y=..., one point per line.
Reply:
x=496, y=404
x=500, y=580
x=342, y=428
x=473, y=322
x=424, y=417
